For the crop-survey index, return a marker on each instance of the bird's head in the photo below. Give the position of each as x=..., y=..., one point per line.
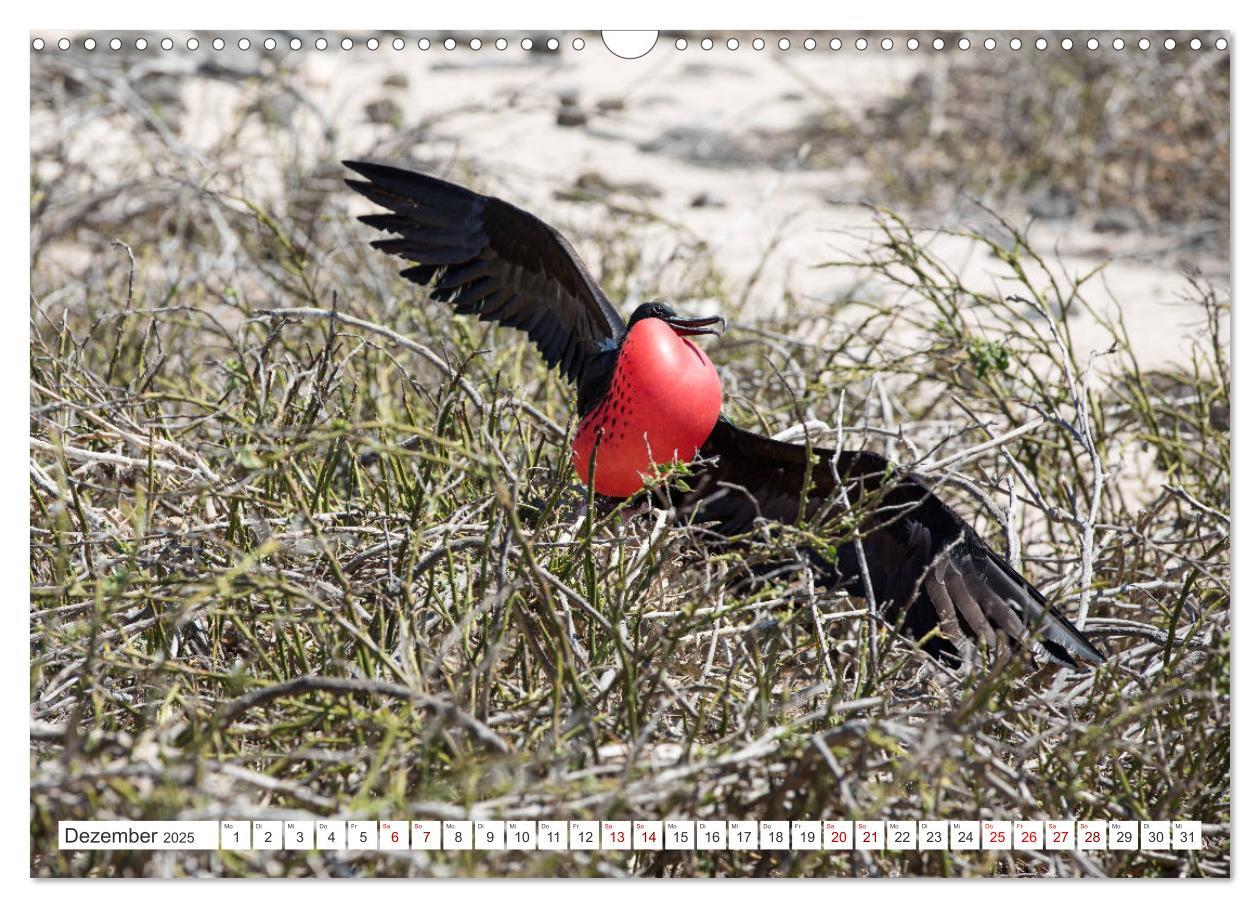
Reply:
x=683, y=327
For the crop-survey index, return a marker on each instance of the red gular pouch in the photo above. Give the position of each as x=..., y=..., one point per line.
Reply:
x=662, y=402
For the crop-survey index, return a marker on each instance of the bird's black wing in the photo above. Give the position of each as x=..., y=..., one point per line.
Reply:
x=926, y=566
x=492, y=260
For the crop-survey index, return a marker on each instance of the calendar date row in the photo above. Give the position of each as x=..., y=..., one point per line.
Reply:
x=634, y=835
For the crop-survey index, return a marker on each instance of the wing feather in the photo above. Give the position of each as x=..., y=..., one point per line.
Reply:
x=928, y=568
x=491, y=259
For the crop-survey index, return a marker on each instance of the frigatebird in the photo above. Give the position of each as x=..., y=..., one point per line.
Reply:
x=648, y=396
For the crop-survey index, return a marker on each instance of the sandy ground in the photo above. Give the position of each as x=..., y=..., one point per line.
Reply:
x=680, y=133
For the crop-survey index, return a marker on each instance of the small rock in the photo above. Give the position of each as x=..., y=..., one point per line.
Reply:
x=1117, y=220
x=1052, y=204
x=386, y=110
x=568, y=115
x=707, y=200
x=701, y=146
x=591, y=183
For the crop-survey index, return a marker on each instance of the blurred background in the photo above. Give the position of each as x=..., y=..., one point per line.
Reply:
x=755, y=164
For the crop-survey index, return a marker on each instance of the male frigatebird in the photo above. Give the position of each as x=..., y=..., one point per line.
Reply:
x=647, y=396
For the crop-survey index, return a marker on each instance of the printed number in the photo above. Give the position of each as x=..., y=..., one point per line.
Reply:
x=1060, y=836
x=999, y=837
x=587, y=837
x=1028, y=837
x=1092, y=836
x=712, y=836
x=267, y=836
x=839, y=836
x=934, y=837
x=1123, y=835
x=1157, y=835
x=393, y=836
x=901, y=837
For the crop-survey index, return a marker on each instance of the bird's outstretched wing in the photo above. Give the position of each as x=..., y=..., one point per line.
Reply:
x=927, y=568
x=492, y=260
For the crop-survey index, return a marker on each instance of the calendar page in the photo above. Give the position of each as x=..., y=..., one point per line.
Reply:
x=687, y=453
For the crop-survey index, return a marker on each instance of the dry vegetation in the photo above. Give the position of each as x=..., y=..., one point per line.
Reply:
x=305, y=544
x=1141, y=137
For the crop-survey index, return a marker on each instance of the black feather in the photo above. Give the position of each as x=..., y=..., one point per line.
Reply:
x=921, y=558
x=494, y=260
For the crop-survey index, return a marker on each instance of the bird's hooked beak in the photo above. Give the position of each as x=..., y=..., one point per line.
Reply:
x=709, y=324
